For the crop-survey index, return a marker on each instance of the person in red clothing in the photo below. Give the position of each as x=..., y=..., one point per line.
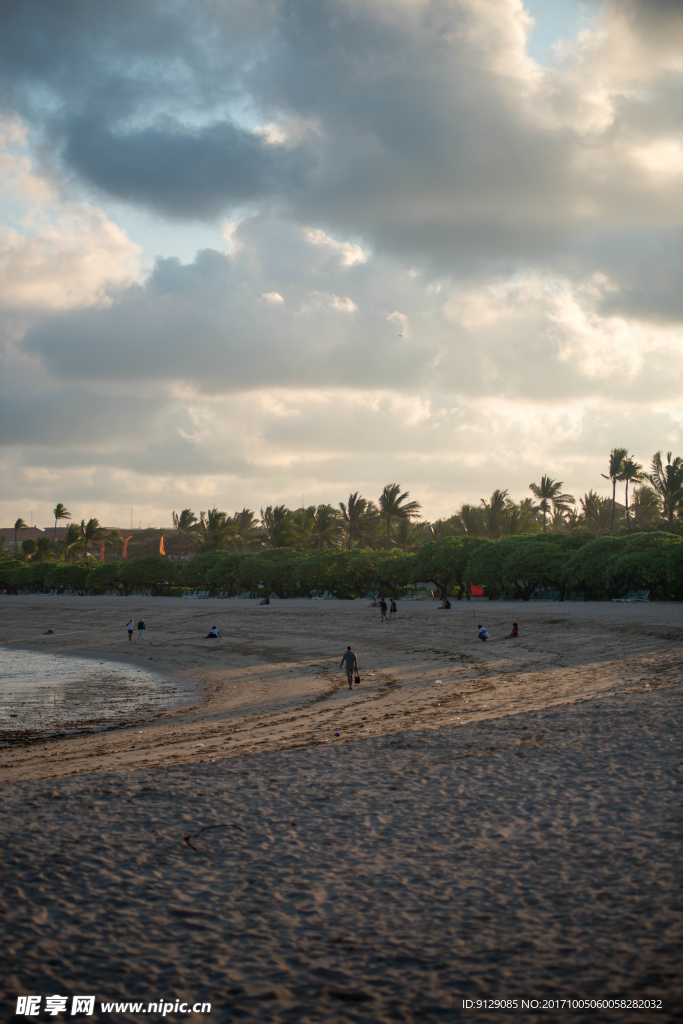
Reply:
x=515, y=631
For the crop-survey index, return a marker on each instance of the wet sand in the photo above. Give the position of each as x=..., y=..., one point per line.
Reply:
x=497, y=820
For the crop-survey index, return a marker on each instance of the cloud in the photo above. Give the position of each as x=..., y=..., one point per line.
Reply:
x=378, y=169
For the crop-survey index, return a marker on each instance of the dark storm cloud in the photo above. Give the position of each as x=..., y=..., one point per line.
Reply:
x=181, y=171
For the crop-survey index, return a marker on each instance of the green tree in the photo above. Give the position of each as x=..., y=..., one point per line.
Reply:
x=72, y=539
x=90, y=531
x=247, y=533
x=469, y=520
x=60, y=512
x=668, y=483
x=19, y=525
x=28, y=547
x=495, y=513
x=644, y=511
x=195, y=572
x=182, y=523
x=44, y=550
x=357, y=517
x=213, y=530
x=394, y=571
x=533, y=564
x=106, y=576
x=326, y=520
x=593, y=567
x=278, y=522
x=149, y=573
x=550, y=497
x=597, y=513
x=643, y=561
x=395, y=508
x=67, y=577
x=444, y=562
x=631, y=473
x=617, y=457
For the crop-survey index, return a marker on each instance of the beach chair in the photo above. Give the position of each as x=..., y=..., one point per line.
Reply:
x=621, y=600
x=641, y=595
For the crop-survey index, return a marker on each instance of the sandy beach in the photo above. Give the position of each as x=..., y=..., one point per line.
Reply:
x=474, y=821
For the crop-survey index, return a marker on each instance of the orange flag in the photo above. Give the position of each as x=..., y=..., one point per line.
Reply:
x=124, y=553
x=161, y=545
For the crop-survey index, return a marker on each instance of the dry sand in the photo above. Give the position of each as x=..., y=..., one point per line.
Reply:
x=498, y=821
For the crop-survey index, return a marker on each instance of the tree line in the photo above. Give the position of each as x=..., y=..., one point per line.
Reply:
x=652, y=501
x=565, y=565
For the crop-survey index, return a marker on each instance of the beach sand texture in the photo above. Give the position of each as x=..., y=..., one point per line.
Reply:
x=497, y=820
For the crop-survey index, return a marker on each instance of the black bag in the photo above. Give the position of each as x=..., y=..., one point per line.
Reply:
x=357, y=679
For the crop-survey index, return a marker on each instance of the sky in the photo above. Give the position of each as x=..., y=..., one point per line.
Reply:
x=277, y=252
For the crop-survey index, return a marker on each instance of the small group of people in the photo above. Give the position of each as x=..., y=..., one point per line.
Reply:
x=384, y=608
x=483, y=634
x=130, y=626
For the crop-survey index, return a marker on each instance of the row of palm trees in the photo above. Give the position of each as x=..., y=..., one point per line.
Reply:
x=656, y=499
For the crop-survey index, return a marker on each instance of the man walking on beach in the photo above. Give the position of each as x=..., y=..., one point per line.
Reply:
x=141, y=629
x=351, y=665
x=130, y=626
x=383, y=609
x=392, y=609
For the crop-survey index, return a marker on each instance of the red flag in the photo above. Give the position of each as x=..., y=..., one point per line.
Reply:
x=124, y=553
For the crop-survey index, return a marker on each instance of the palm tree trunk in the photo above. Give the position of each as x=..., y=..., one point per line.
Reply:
x=628, y=518
x=386, y=546
x=54, y=535
x=614, y=502
x=544, y=515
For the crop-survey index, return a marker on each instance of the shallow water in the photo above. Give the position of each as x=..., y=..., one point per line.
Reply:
x=46, y=694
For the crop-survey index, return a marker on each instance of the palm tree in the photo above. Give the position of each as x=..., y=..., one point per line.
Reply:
x=326, y=520
x=19, y=525
x=597, y=513
x=617, y=458
x=631, y=473
x=278, y=522
x=60, y=512
x=518, y=518
x=247, y=529
x=668, y=483
x=213, y=530
x=43, y=548
x=469, y=520
x=90, y=531
x=494, y=512
x=394, y=508
x=645, y=507
x=72, y=539
x=550, y=496
x=356, y=516
x=183, y=523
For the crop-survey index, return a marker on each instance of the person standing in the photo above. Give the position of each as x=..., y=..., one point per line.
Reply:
x=141, y=629
x=383, y=609
x=351, y=661
x=392, y=609
x=130, y=626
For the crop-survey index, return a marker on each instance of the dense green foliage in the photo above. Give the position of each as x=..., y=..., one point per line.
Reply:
x=598, y=567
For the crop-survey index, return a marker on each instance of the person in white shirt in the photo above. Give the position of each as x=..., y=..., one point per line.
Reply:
x=483, y=634
x=213, y=634
x=130, y=626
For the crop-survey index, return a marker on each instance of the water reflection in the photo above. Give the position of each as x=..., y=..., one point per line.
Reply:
x=44, y=694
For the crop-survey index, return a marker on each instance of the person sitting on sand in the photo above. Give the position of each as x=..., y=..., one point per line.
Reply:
x=383, y=609
x=141, y=629
x=264, y=600
x=351, y=665
x=213, y=634
x=514, y=633
x=130, y=626
x=446, y=605
x=483, y=634
x=48, y=631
